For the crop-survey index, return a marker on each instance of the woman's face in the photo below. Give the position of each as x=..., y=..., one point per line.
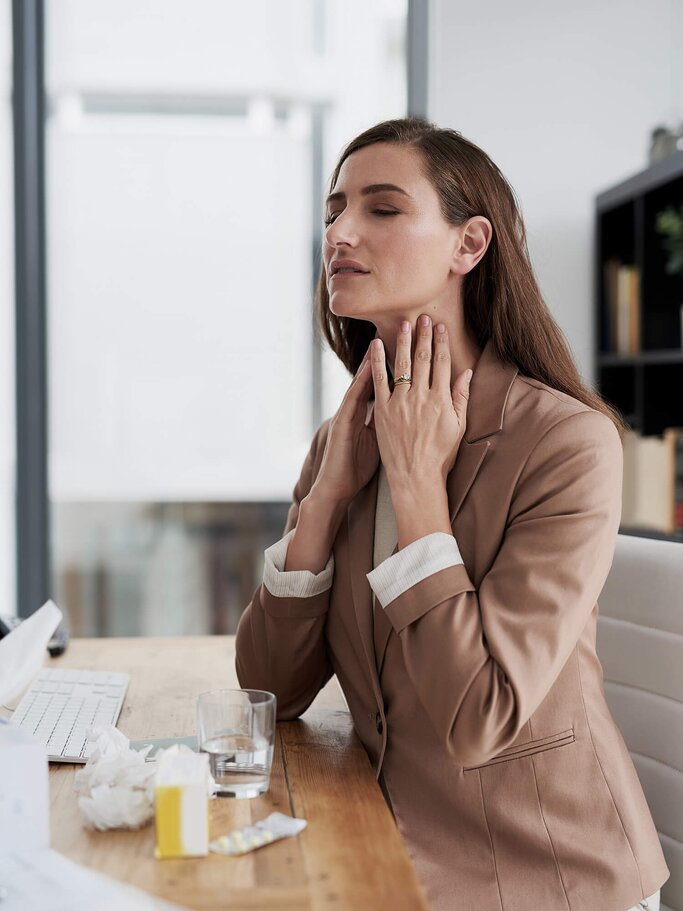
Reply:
x=398, y=237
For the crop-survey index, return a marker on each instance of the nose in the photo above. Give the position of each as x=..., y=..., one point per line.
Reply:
x=342, y=231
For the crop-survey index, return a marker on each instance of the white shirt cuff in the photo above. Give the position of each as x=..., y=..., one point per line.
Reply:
x=411, y=565
x=297, y=583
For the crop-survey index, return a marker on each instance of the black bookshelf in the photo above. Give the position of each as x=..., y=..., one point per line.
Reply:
x=645, y=386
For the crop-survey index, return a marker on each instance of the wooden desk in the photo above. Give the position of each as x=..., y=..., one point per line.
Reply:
x=350, y=855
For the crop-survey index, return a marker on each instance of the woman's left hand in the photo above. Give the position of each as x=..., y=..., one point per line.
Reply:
x=419, y=426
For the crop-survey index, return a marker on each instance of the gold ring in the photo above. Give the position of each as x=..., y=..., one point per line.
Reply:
x=403, y=378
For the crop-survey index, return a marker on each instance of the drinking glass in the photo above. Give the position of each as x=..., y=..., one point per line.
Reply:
x=237, y=729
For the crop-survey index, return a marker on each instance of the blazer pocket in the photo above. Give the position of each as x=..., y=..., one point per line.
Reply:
x=530, y=748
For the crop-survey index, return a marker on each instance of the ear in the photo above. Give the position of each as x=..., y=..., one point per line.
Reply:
x=474, y=237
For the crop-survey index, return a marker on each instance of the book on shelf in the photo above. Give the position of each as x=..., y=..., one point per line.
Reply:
x=677, y=445
x=621, y=311
x=653, y=481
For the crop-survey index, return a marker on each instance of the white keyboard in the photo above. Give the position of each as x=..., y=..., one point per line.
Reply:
x=61, y=704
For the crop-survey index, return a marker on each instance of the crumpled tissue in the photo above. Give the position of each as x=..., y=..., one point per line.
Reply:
x=117, y=784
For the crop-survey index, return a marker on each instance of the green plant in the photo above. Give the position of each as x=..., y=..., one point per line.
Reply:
x=669, y=222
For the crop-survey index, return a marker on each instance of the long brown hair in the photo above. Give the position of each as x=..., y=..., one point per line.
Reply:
x=501, y=297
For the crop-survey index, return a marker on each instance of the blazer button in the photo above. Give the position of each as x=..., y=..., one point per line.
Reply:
x=378, y=723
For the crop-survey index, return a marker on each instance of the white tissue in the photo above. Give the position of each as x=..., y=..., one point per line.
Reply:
x=23, y=650
x=178, y=765
x=116, y=783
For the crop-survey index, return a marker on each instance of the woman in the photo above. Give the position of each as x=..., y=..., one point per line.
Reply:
x=450, y=533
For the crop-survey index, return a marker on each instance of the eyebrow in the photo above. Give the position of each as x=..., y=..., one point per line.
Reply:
x=372, y=188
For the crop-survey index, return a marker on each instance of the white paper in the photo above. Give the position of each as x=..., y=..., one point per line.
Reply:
x=22, y=651
x=47, y=881
x=24, y=792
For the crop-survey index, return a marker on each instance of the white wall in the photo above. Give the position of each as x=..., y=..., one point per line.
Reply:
x=563, y=97
x=7, y=431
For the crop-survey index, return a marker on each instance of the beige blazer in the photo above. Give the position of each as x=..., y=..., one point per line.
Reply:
x=477, y=693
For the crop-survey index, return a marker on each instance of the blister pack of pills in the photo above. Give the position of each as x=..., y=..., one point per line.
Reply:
x=268, y=830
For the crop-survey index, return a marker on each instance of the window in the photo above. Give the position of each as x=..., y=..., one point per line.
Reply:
x=7, y=362
x=185, y=145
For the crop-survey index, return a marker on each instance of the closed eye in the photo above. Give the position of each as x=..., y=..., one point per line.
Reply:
x=330, y=220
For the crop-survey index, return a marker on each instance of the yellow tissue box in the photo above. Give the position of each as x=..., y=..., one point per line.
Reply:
x=181, y=808
x=182, y=821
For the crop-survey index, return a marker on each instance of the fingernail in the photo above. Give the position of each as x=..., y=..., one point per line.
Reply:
x=441, y=328
x=405, y=326
x=468, y=375
x=377, y=343
x=424, y=320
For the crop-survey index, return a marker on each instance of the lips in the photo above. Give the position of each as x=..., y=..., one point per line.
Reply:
x=338, y=276
x=347, y=267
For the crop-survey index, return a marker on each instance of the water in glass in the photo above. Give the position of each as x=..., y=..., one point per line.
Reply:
x=240, y=764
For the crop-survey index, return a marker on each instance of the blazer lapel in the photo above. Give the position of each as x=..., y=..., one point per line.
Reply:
x=382, y=631
x=489, y=390
x=460, y=480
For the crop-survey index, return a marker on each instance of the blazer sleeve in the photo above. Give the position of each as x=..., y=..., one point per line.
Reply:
x=483, y=660
x=280, y=644
x=293, y=583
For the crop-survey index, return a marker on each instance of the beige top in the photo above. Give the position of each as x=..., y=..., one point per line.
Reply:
x=386, y=534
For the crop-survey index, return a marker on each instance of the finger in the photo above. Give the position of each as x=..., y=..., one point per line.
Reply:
x=402, y=361
x=423, y=352
x=379, y=373
x=362, y=372
x=441, y=372
x=461, y=395
x=366, y=357
x=360, y=387
x=370, y=415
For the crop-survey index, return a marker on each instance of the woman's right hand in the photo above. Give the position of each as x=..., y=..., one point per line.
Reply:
x=351, y=453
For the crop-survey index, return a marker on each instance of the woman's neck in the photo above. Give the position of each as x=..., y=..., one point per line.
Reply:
x=465, y=352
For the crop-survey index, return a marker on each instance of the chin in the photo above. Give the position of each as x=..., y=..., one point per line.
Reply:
x=349, y=307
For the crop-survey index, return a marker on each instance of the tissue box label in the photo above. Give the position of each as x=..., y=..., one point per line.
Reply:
x=182, y=821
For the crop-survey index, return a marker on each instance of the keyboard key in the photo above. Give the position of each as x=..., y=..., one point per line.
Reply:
x=63, y=704
x=55, y=745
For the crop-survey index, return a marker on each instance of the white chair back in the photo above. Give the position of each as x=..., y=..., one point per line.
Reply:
x=640, y=645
